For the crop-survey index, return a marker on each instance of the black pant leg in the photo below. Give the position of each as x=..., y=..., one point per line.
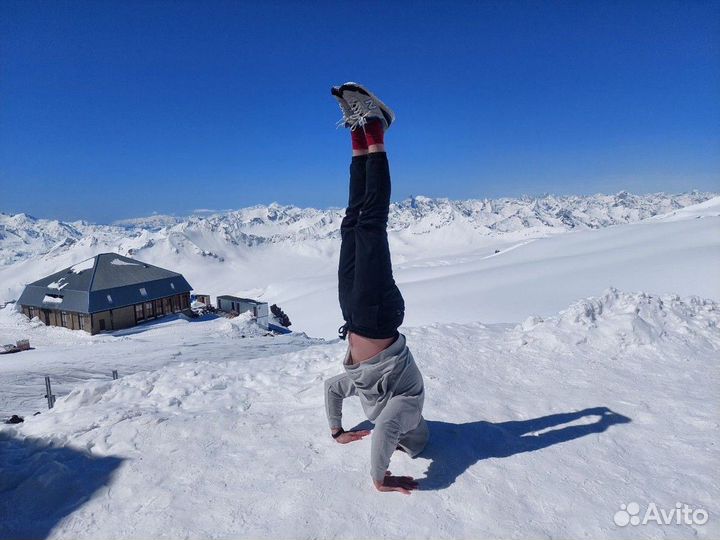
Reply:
x=346, y=266
x=377, y=305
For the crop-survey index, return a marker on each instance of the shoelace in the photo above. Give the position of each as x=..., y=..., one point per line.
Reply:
x=348, y=117
x=353, y=116
x=343, y=330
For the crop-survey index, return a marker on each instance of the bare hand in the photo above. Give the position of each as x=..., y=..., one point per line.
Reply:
x=350, y=436
x=403, y=484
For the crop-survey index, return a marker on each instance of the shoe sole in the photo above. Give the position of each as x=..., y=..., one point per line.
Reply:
x=355, y=87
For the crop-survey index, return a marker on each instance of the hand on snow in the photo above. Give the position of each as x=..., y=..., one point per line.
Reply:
x=403, y=484
x=350, y=436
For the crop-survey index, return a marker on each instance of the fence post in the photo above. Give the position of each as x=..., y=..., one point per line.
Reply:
x=114, y=374
x=48, y=393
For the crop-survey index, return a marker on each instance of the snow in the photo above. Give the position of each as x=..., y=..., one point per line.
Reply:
x=539, y=276
x=87, y=264
x=120, y=262
x=49, y=299
x=536, y=431
x=240, y=248
x=59, y=284
x=572, y=372
x=617, y=321
x=709, y=208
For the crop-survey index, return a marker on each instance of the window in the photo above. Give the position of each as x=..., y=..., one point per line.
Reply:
x=31, y=312
x=139, y=312
x=149, y=310
x=64, y=318
x=176, y=303
x=159, y=308
x=81, y=321
x=167, y=305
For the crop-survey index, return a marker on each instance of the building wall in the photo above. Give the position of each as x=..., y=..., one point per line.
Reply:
x=259, y=310
x=204, y=298
x=88, y=322
x=115, y=319
x=101, y=316
x=263, y=310
x=263, y=316
x=53, y=317
x=123, y=317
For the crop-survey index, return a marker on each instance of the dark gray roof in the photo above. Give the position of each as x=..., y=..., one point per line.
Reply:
x=238, y=299
x=106, y=281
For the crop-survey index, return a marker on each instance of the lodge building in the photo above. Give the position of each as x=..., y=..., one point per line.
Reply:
x=105, y=292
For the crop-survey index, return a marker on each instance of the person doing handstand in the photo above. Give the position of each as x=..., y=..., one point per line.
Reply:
x=378, y=366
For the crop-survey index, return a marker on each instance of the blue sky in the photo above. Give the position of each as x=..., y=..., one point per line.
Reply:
x=120, y=109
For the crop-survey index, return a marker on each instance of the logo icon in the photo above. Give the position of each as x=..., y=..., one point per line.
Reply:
x=628, y=514
x=680, y=514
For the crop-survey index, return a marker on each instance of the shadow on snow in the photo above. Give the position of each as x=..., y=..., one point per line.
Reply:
x=453, y=448
x=41, y=483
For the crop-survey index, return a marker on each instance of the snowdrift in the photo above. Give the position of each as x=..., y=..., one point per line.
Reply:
x=617, y=320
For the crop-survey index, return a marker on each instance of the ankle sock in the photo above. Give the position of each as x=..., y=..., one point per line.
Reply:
x=374, y=132
x=357, y=137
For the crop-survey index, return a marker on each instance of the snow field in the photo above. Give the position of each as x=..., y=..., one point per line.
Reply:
x=537, y=429
x=542, y=428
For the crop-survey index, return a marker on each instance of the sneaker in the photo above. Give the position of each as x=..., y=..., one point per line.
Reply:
x=365, y=106
x=347, y=119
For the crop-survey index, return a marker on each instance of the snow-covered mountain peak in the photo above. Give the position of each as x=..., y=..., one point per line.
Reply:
x=419, y=227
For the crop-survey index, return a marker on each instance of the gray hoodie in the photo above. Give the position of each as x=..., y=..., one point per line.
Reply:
x=391, y=391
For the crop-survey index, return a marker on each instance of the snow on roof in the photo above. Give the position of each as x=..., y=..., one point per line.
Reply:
x=113, y=282
x=87, y=264
x=59, y=284
x=50, y=299
x=120, y=262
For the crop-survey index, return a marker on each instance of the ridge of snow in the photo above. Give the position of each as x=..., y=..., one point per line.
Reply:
x=619, y=319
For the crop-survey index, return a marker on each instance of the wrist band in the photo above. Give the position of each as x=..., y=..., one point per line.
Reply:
x=337, y=434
